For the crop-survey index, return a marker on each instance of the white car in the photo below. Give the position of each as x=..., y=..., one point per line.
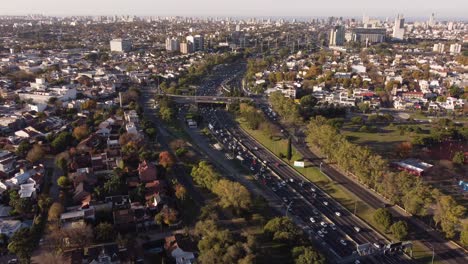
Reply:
x=376, y=245
x=343, y=242
x=312, y=220
x=338, y=213
x=320, y=234
x=333, y=226
x=325, y=203
x=323, y=224
x=357, y=229
x=312, y=189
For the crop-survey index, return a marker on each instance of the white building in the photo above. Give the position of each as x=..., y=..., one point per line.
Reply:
x=399, y=27
x=455, y=48
x=120, y=45
x=438, y=47
x=172, y=44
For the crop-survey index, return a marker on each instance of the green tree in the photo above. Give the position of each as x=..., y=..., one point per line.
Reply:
x=232, y=195
x=448, y=214
x=458, y=158
x=399, y=230
x=205, y=175
x=383, y=218
x=63, y=181
x=289, y=150
x=282, y=229
x=23, y=148
x=104, y=232
x=464, y=235
x=62, y=141
x=306, y=255
x=22, y=245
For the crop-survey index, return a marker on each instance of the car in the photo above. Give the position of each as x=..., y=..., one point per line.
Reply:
x=357, y=262
x=343, y=242
x=301, y=183
x=320, y=234
x=291, y=180
x=325, y=203
x=312, y=189
x=283, y=183
x=316, y=212
x=323, y=224
x=377, y=245
x=324, y=230
x=13, y=261
x=333, y=226
x=312, y=220
x=285, y=199
x=274, y=189
x=357, y=229
x=256, y=148
x=338, y=213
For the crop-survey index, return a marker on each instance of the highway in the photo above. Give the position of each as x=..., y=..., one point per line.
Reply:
x=431, y=238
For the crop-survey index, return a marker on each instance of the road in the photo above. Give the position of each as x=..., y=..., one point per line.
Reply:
x=444, y=250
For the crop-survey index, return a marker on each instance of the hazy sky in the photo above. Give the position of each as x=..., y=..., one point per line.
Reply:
x=345, y=8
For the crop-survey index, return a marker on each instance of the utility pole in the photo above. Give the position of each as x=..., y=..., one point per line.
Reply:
x=355, y=207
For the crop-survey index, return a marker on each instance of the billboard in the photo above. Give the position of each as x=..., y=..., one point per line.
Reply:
x=300, y=164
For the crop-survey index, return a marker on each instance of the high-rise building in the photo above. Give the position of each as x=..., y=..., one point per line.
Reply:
x=186, y=47
x=455, y=48
x=172, y=44
x=431, y=21
x=438, y=47
x=198, y=42
x=120, y=45
x=399, y=27
x=337, y=36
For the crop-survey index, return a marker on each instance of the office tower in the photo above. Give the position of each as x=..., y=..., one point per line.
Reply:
x=455, y=48
x=439, y=48
x=337, y=36
x=198, y=42
x=450, y=26
x=399, y=27
x=120, y=45
x=172, y=44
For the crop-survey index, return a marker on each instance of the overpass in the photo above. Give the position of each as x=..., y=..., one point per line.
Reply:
x=206, y=99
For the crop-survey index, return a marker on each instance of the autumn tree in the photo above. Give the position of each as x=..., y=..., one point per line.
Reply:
x=232, y=195
x=404, y=149
x=55, y=210
x=89, y=105
x=166, y=159
x=35, y=154
x=464, y=235
x=180, y=191
x=81, y=132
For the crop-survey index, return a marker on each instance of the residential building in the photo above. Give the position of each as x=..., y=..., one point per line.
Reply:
x=455, y=48
x=438, y=48
x=172, y=44
x=186, y=47
x=120, y=45
x=369, y=35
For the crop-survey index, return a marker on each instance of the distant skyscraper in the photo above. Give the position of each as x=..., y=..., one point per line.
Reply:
x=120, y=45
x=337, y=36
x=198, y=42
x=431, y=21
x=399, y=27
x=186, y=47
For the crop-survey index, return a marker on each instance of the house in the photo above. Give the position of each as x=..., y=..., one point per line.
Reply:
x=147, y=172
x=413, y=166
x=9, y=227
x=182, y=250
x=76, y=217
x=82, y=193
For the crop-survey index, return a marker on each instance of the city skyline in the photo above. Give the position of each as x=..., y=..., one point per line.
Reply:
x=242, y=8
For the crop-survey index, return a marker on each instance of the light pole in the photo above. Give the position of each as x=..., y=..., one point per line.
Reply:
x=287, y=208
x=321, y=166
x=432, y=261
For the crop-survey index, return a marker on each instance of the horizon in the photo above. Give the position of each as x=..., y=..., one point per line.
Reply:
x=417, y=9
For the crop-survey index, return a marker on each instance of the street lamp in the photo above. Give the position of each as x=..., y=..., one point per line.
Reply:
x=287, y=208
x=321, y=166
x=430, y=245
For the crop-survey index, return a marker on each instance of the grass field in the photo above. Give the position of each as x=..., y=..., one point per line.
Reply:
x=420, y=253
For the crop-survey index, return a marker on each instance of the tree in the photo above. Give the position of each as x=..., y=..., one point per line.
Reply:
x=306, y=255
x=363, y=107
x=23, y=148
x=21, y=244
x=399, y=230
x=232, y=195
x=357, y=120
x=282, y=229
x=62, y=141
x=383, y=218
x=458, y=158
x=464, y=235
x=404, y=149
x=166, y=113
x=35, y=154
x=63, y=182
x=205, y=175
x=62, y=163
x=81, y=132
x=89, y=105
x=289, y=150
x=448, y=214
x=104, y=232
x=55, y=210
x=180, y=191
x=20, y=205
x=166, y=159
x=167, y=216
